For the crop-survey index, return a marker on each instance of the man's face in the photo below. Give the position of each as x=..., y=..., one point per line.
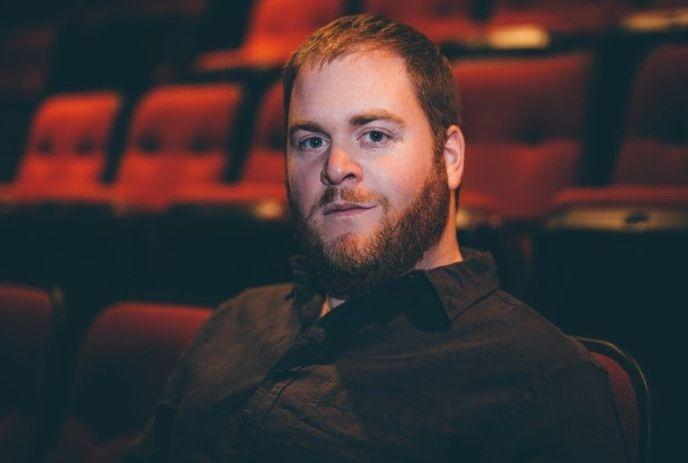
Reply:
x=368, y=193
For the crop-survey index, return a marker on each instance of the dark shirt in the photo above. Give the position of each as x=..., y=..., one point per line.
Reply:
x=438, y=365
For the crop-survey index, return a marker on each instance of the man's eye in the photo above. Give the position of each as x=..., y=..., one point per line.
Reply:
x=311, y=143
x=375, y=137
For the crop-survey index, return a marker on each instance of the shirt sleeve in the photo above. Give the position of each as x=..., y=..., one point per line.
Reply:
x=153, y=443
x=571, y=417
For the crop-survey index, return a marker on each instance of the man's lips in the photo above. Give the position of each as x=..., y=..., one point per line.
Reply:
x=345, y=208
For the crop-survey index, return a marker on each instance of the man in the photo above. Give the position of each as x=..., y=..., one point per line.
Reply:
x=392, y=344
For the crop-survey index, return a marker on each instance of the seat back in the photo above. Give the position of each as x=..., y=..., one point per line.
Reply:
x=129, y=352
x=655, y=150
x=265, y=161
x=413, y=10
x=276, y=28
x=563, y=16
x=179, y=135
x=631, y=394
x=27, y=318
x=440, y=20
x=523, y=122
x=273, y=21
x=68, y=142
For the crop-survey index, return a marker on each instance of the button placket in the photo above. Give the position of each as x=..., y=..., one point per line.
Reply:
x=304, y=350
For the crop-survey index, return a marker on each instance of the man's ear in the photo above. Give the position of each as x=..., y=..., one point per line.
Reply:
x=454, y=147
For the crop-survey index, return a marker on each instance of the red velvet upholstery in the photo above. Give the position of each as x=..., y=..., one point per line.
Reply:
x=652, y=166
x=179, y=137
x=26, y=317
x=561, y=16
x=631, y=394
x=523, y=122
x=262, y=177
x=623, y=195
x=440, y=20
x=655, y=150
x=624, y=396
x=67, y=146
x=652, y=162
x=129, y=352
x=265, y=162
x=276, y=28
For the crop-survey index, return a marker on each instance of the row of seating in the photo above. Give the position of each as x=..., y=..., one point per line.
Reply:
x=54, y=412
x=524, y=120
x=153, y=40
x=151, y=36
x=273, y=32
x=123, y=362
x=132, y=46
x=179, y=136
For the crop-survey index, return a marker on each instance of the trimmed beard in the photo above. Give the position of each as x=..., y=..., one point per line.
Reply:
x=344, y=268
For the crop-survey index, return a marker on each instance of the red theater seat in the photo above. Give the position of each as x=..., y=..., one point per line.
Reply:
x=180, y=136
x=262, y=176
x=623, y=195
x=25, y=58
x=276, y=28
x=265, y=162
x=129, y=352
x=655, y=150
x=441, y=20
x=523, y=122
x=26, y=322
x=67, y=146
x=652, y=166
x=559, y=16
x=631, y=395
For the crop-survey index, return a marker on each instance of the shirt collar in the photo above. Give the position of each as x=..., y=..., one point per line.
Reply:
x=431, y=298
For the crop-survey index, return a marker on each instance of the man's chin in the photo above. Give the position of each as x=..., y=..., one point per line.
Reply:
x=348, y=249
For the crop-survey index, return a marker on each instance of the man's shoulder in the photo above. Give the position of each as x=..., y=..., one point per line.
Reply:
x=252, y=312
x=522, y=338
x=255, y=303
x=258, y=297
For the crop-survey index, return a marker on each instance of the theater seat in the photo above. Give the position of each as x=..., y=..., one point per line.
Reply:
x=631, y=395
x=27, y=317
x=265, y=162
x=262, y=173
x=276, y=29
x=523, y=120
x=67, y=147
x=128, y=353
x=441, y=20
x=560, y=16
x=180, y=136
x=655, y=150
x=239, y=230
x=25, y=58
x=652, y=165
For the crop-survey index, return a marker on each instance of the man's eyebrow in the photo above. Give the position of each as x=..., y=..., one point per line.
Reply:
x=310, y=126
x=367, y=118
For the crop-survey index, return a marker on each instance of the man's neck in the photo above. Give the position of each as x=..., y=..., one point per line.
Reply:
x=445, y=252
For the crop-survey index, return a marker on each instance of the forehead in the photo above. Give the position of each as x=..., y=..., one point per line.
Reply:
x=352, y=84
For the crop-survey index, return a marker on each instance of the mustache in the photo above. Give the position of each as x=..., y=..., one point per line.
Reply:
x=348, y=195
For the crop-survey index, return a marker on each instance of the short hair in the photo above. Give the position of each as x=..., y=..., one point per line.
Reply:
x=427, y=67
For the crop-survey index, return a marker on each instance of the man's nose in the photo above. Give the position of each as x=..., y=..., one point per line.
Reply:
x=340, y=167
